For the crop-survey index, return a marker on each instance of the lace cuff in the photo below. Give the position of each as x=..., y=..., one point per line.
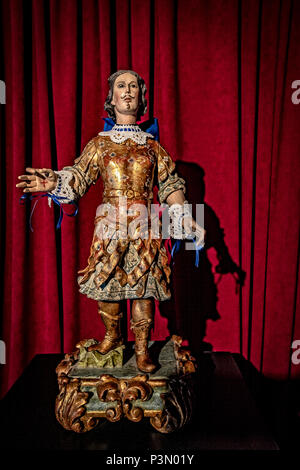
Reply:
x=63, y=189
x=177, y=213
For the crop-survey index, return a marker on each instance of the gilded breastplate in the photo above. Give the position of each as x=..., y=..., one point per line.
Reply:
x=128, y=171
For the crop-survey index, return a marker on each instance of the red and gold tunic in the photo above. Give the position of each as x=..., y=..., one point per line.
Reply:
x=132, y=266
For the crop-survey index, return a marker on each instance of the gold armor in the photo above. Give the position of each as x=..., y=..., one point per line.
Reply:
x=125, y=267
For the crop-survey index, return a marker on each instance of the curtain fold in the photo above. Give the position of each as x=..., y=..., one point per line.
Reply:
x=219, y=77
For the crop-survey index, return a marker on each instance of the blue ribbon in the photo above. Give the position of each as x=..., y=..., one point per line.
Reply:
x=151, y=126
x=56, y=199
x=177, y=245
x=108, y=124
x=197, y=254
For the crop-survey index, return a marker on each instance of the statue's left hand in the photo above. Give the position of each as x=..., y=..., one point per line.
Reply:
x=199, y=232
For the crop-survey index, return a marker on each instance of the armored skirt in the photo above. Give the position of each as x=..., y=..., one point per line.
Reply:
x=127, y=259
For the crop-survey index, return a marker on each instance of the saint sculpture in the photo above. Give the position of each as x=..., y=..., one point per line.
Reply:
x=127, y=259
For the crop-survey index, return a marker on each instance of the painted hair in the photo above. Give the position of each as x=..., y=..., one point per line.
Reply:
x=142, y=109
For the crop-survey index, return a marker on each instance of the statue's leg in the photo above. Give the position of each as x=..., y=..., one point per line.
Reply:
x=141, y=322
x=111, y=316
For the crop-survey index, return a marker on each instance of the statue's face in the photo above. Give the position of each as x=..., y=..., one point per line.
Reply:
x=126, y=94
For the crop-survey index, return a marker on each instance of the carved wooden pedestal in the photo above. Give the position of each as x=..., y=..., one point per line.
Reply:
x=89, y=393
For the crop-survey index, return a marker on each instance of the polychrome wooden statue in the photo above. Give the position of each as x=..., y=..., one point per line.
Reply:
x=128, y=259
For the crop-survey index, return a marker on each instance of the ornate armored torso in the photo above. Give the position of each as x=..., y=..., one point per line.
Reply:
x=127, y=170
x=129, y=163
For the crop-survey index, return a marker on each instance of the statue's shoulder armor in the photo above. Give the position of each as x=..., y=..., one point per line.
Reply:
x=101, y=140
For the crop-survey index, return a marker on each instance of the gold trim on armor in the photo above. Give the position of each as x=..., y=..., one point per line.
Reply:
x=130, y=193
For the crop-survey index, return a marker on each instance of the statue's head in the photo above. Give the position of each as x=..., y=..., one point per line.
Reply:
x=120, y=90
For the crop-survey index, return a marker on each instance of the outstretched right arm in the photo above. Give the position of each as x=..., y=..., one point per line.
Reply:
x=70, y=183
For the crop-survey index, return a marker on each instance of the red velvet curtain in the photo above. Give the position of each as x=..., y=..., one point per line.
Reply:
x=219, y=76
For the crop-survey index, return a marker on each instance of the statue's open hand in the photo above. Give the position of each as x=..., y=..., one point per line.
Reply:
x=39, y=179
x=195, y=229
x=199, y=233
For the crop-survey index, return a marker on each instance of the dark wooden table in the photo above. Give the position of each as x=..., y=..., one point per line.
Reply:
x=226, y=417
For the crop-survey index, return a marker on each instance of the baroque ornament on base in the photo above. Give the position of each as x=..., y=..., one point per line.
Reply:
x=93, y=388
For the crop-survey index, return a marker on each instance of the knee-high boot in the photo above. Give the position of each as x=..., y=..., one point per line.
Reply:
x=141, y=324
x=113, y=337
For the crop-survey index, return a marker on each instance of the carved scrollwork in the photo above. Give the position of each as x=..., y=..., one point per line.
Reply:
x=124, y=393
x=108, y=391
x=137, y=389
x=66, y=364
x=186, y=363
x=179, y=401
x=178, y=405
x=70, y=403
x=70, y=407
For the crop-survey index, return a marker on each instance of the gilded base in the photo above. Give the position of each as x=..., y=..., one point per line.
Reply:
x=88, y=393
